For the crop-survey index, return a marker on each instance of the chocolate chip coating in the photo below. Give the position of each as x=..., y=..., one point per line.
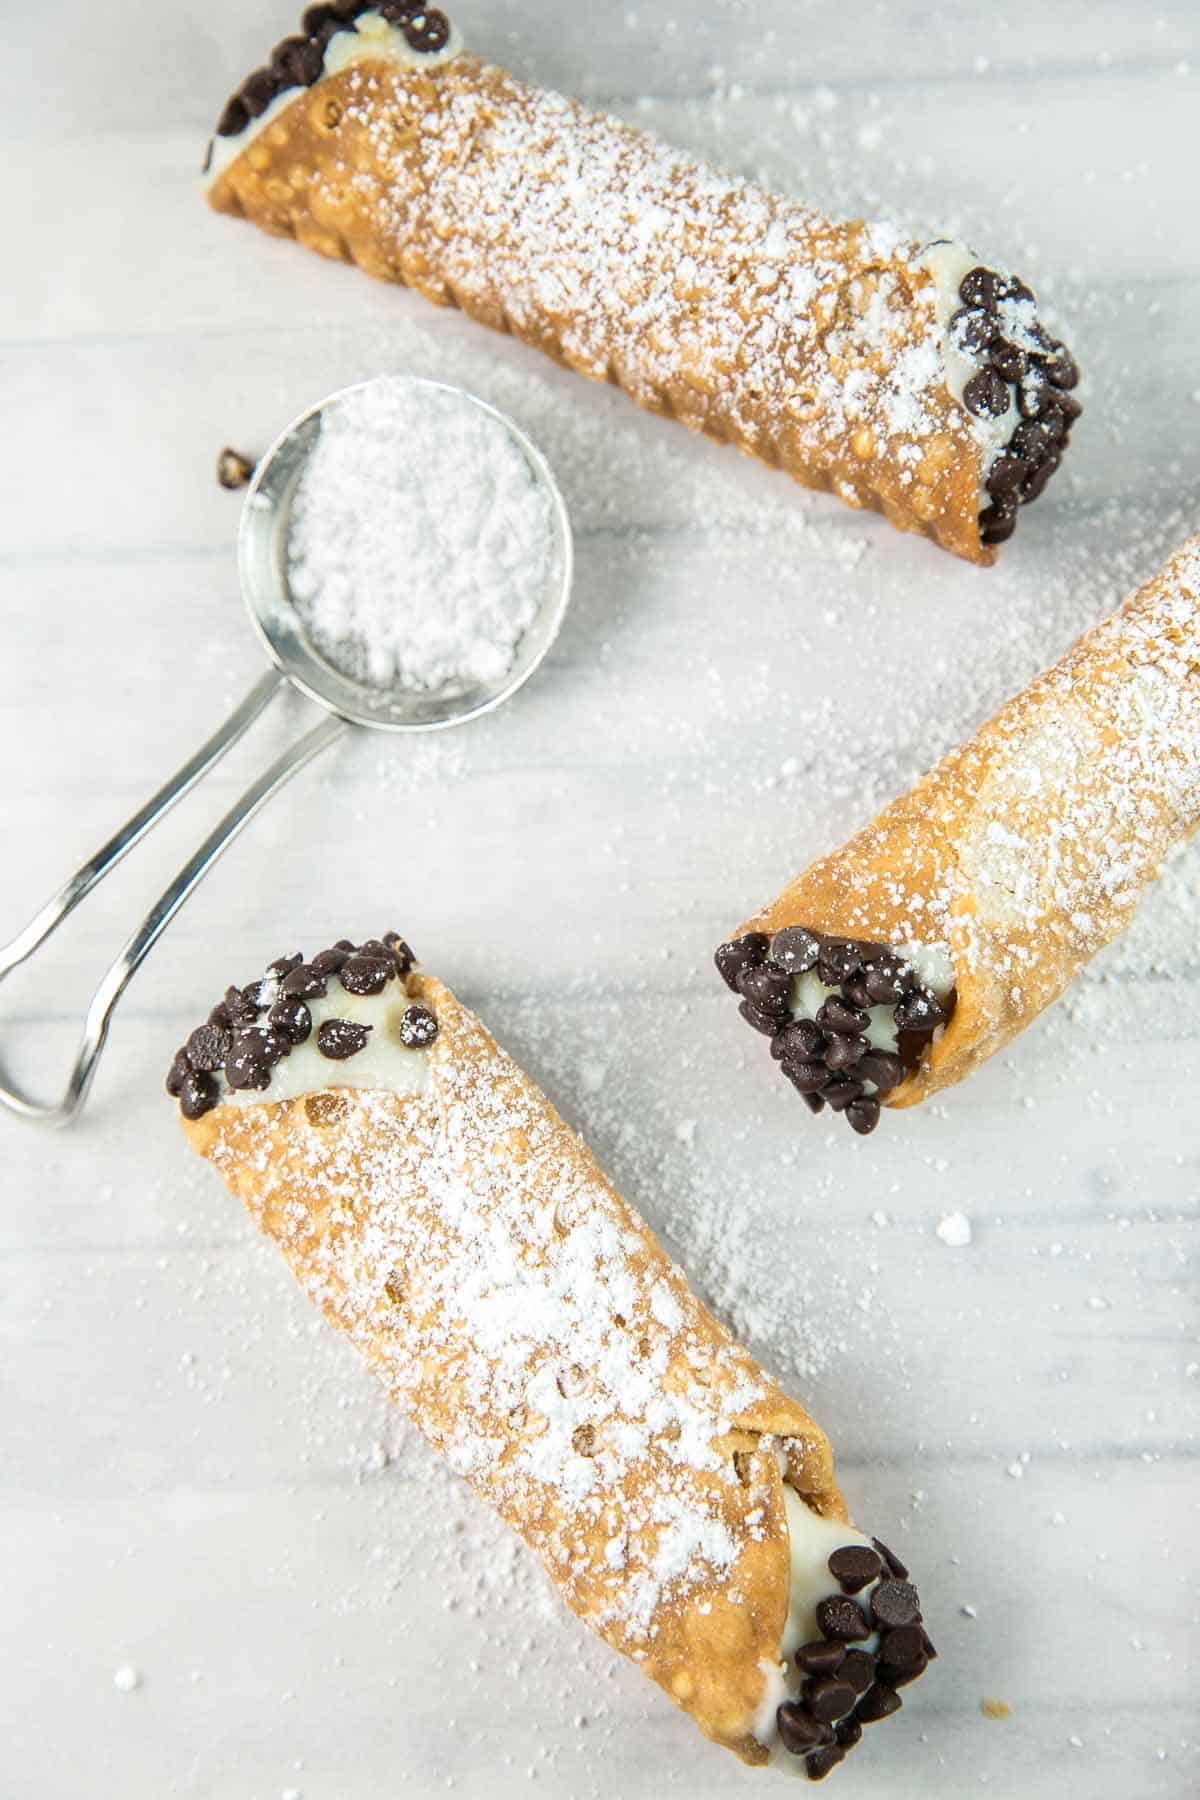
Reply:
x=178, y=1073
x=208, y=1046
x=844, y=1052
x=877, y=1703
x=328, y=962
x=821, y=1657
x=882, y=1067
x=291, y=1019
x=894, y=1603
x=361, y=974
x=904, y=1645
x=855, y=1566
x=305, y=982
x=806, y=1077
x=429, y=31
x=418, y=1028
x=862, y=1115
x=986, y=395
x=198, y=1095
x=841, y=1618
x=340, y=1039
x=795, y=949
x=820, y=1762
x=798, y=1730
x=836, y=1016
x=828, y=1699
x=858, y=1668
x=401, y=954
x=800, y=1041
x=895, y=1566
x=980, y=287
x=767, y=986
x=740, y=954
x=767, y=1023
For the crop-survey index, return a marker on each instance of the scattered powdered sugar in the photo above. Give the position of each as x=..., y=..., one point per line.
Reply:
x=955, y=1231
x=420, y=543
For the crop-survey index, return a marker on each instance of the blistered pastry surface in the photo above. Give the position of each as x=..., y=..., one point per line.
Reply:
x=510, y=1300
x=812, y=345
x=1028, y=849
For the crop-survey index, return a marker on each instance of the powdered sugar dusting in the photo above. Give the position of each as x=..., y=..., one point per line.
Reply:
x=420, y=543
x=512, y=1302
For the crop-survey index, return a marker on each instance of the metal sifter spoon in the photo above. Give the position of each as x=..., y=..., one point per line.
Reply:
x=263, y=569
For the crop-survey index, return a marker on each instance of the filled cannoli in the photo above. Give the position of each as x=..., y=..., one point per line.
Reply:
x=894, y=967
x=901, y=375
x=430, y=1199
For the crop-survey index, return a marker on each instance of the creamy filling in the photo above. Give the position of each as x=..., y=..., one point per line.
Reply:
x=370, y=36
x=930, y=963
x=383, y=1062
x=812, y=1541
x=949, y=263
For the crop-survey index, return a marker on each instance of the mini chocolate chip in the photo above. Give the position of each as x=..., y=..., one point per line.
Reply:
x=767, y=1023
x=1009, y=362
x=820, y=1762
x=178, y=1073
x=208, y=1047
x=806, y=1077
x=848, y=1732
x=877, y=1703
x=767, y=987
x=220, y=1015
x=883, y=1068
x=298, y=62
x=403, y=956
x=798, y=1042
x=1031, y=441
x=245, y=1069
x=854, y=993
x=429, y=31
x=339, y=1039
x=795, y=949
x=828, y=1699
x=884, y=980
x=1061, y=368
x=198, y=1095
x=858, y=1669
x=895, y=1602
x=291, y=1019
x=841, y=1092
x=1066, y=404
x=919, y=1011
x=821, y=1657
x=1006, y=474
x=986, y=394
x=997, y=523
x=283, y=965
x=257, y=91
x=418, y=1028
x=345, y=944
x=814, y=1102
x=844, y=1052
x=839, y=961
x=854, y=1567
x=842, y=1618
x=930, y=1652
x=328, y=962
x=363, y=975
x=235, y=117
x=980, y=287
x=398, y=12
x=315, y=18
x=377, y=951
x=1035, y=487
x=862, y=1115
x=233, y=469
x=904, y=1646
x=798, y=1729
x=893, y=1562
x=742, y=953
x=304, y=983
x=894, y=1675
x=972, y=330
x=241, y=1006
x=836, y=1016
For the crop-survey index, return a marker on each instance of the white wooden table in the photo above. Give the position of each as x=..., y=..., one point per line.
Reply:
x=198, y=1483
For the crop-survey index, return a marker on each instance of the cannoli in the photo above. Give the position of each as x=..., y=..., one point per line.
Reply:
x=894, y=967
x=903, y=376
x=432, y=1202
